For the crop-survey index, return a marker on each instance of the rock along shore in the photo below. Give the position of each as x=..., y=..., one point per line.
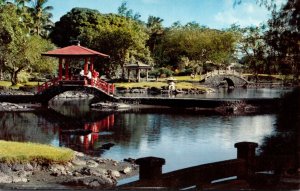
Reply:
x=82, y=172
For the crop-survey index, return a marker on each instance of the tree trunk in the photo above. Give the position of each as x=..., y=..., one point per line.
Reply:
x=14, y=78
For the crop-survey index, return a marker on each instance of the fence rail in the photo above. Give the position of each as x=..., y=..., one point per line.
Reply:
x=48, y=84
x=151, y=170
x=222, y=72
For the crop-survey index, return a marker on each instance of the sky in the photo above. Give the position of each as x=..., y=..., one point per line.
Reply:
x=217, y=14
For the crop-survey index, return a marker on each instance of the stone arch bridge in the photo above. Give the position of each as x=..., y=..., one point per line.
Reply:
x=219, y=77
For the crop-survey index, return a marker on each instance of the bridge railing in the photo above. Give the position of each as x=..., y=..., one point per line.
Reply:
x=222, y=72
x=46, y=85
x=100, y=84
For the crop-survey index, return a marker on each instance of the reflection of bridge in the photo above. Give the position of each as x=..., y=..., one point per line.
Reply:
x=80, y=133
x=217, y=77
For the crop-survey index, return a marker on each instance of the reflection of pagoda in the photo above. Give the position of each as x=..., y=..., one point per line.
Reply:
x=83, y=140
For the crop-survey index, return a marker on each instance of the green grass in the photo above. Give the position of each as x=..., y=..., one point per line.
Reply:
x=5, y=83
x=187, y=78
x=140, y=84
x=25, y=152
x=8, y=84
x=31, y=83
x=159, y=84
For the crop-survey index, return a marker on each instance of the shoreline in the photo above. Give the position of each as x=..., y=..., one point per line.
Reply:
x=82, y=172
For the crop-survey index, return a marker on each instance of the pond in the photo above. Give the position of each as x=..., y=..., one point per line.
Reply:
x=183, y=137
x=225, y=93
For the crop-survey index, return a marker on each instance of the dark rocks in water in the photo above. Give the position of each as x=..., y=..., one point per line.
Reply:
x=130, y=160
x=77, y=131
x=107, y=146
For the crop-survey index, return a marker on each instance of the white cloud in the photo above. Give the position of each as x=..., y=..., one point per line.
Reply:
x=245, y=14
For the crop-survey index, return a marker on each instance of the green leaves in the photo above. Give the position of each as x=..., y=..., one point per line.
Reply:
x=120, y=37
x=20, y=51
x=198, y=44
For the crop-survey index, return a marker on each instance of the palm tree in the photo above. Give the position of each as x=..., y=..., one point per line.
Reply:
x=155, y=30
x=23, y=11
x=41, y=17
x=21, y=3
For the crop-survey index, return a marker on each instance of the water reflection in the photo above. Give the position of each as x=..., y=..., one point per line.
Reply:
x=183, y=138
x=88, y=138
x=26, y=126
x=225, y=93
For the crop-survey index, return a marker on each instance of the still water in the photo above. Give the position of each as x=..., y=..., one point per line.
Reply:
x=183, y=137
x=226, y=93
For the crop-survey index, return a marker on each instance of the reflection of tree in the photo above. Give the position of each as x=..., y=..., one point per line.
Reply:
x=25, y=127
x=285, y=142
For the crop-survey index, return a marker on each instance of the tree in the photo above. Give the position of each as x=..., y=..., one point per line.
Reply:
x=284, y=37
x=20, y=51
x=122, y=38
x=254, y=48
x=128, y=13
x=199, y=44
x=41, y=17
x=155, y=31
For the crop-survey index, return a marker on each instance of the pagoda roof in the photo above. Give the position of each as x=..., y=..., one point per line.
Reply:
x=74, y=50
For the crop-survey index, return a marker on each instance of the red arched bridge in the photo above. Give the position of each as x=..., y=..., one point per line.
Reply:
x=99, y=88
x=75, y=73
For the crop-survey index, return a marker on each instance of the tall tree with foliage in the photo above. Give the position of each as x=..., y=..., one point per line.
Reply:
x=198, y=44
x=124, y=11
x=155, y=31
x=122, y=38
x=41, y=16
x=284, y=36
x=254, y=48
x=19, y=51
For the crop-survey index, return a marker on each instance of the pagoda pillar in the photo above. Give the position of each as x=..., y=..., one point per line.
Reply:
x=60, y=69
x=67, y=69
x=92, y=64
x=86, y=66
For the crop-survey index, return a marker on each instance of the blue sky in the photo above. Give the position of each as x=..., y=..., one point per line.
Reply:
x=212, y=13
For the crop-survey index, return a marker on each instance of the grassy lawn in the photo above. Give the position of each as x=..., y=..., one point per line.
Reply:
x=187, y=78
x=5, y=83
x=159, y=84
x=26, y=152
x=8, y=84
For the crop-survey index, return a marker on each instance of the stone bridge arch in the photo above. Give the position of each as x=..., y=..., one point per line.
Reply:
x=99, y=95
x=232, y=80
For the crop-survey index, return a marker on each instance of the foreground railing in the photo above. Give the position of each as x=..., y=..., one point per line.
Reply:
x=150, y=173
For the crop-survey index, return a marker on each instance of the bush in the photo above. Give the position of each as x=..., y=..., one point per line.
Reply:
x=185, y=72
